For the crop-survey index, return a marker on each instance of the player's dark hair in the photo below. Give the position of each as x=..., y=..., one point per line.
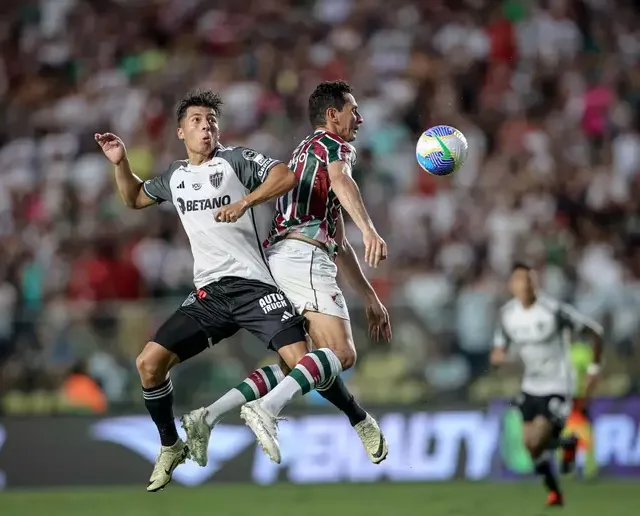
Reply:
x=520, y=266
x=199, y=98
x=329, y=94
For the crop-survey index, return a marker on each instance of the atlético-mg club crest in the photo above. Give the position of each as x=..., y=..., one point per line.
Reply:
x=216, y=179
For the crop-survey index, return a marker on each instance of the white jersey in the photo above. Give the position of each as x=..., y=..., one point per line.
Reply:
x=198, y=191
x=541, y=336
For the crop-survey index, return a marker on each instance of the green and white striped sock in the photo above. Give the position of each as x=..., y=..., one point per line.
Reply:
x=315, y=368
x=256, y=385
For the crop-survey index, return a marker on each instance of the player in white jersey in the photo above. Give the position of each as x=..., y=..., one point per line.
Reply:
x=234, y=288
x=538, y=329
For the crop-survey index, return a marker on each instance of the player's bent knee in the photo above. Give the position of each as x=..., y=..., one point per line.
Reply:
x=534, y=444
x=346, y=354
x=531, y=446
x=154, y=363
x=334, y=333
x=528, y=437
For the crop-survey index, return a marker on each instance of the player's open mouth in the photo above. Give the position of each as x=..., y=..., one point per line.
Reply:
x=207, y=139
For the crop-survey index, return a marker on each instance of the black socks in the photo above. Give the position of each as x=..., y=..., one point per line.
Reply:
x=338, y=395
x=159, y=403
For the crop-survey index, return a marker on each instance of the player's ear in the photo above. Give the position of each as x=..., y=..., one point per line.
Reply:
x=180, y=133
x=332, y=115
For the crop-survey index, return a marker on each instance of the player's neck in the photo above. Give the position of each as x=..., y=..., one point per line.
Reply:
x=327, y=129
x=198, y=159
x=528, y=302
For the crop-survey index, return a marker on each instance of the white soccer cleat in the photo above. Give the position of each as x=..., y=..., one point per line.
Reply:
x=198, y=434
x=169, y=459
x=372, y=439
x=264, y=426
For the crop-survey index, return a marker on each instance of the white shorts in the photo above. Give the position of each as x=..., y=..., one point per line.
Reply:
x=307, y=275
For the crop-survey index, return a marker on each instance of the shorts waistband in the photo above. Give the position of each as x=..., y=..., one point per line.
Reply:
x=306, y=240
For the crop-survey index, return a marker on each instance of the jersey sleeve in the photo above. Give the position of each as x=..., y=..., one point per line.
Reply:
x=500, y=338
x=573, y=320
x=158, y=188
x=251, y=167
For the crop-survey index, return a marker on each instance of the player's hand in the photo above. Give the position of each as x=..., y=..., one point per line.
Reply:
x=232, y=212
x=112, y=147
x=375, y=249
x=591, y=383
x=498, y=357
x=377, y=319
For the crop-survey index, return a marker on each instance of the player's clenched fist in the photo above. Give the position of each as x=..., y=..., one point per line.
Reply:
x=375, y=249
x=232, y=212
x=112, y=146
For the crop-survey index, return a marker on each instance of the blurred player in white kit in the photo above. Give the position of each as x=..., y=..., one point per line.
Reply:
x=538, y=329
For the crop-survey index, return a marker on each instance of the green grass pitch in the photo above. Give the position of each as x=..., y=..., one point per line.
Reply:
x=450, y=499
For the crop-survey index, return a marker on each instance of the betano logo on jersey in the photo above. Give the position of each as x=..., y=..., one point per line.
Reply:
x=272, y=302
x=202, y=204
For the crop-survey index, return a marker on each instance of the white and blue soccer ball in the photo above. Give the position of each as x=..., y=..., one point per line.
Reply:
x=442, y=150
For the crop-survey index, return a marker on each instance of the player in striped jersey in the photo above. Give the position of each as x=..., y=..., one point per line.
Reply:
x=306, y=248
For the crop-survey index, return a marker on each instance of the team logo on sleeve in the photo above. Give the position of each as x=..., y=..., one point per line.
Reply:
x=263, y=162
x=249, y=155
x=216, y=179
x=260, y=159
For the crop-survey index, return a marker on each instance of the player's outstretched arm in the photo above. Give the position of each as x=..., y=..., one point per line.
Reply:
x=129, y=185
x=278, y=182
x=349, y=269
x=351, y=200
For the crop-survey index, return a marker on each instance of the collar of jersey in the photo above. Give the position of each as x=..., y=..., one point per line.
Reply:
x=214, y=154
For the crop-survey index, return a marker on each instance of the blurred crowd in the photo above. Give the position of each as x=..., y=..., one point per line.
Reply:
x=546, y=91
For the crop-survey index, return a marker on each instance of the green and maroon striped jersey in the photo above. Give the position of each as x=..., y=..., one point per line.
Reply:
x=312, y=208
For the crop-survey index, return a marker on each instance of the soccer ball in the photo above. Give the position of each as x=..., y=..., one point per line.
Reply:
x=442, y=150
